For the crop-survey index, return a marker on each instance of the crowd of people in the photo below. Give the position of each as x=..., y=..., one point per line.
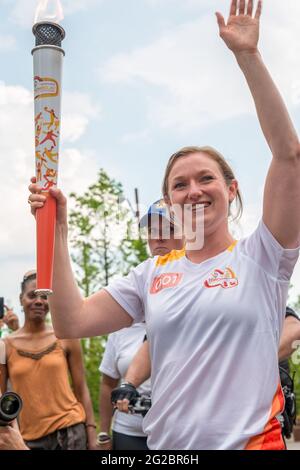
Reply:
x=214, y=316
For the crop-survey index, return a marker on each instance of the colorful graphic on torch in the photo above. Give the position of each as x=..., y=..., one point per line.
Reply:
x=46, y=145
x=45, y=87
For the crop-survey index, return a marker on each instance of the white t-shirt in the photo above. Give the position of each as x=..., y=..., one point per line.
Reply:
x=121, y=347
x=214, y=332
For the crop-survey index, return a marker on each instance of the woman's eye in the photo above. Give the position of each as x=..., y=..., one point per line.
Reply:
x=178, y=185
x=207, y=178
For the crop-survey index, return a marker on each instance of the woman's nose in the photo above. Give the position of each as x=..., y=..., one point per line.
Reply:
x=195, y=190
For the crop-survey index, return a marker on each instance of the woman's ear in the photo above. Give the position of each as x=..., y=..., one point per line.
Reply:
x=167, y=199
x=233, y=189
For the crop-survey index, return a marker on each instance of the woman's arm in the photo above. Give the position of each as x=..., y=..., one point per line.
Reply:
x=137, y=373
x=290, y=338
x=139, y=369
x=3, y=378
x=81, y=391
x=73, y=316
x=282, y=190
x=106, y=408
x=3, y=367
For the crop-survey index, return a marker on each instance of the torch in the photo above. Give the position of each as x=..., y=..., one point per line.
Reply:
x=47, y=63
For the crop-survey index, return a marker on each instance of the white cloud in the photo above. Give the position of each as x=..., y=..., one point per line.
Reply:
x=7, y=42
x=78, y=169
x=78, y=110
x=195, y=79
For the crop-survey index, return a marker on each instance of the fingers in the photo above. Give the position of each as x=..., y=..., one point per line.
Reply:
x=242, y=6
x=37, y=199
x=33, y=187
x=258, y=10
x=221, y=21
x=233, y=8
x=10, y=315
x=58, y=195
x=250, y=8
x=122, y=405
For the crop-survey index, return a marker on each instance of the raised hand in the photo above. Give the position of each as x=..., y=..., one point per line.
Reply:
x=241, y=33
x=11, y=320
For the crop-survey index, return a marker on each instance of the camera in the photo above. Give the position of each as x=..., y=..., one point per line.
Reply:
x=10, y=407
x=2, y=307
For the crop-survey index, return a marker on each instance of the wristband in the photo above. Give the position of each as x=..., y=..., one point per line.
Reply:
x=127, y=383
x=103, y=438
x=90, y=425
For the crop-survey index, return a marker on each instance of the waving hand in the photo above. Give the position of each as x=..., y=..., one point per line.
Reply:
x=241, y=33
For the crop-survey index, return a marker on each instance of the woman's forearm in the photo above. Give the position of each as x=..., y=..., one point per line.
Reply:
x=274, y=119
x=140, y=368
x=105, y=408
x=66, y=301
x=83, y=396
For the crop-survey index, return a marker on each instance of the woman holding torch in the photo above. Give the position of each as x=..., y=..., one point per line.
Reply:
x=203, y=306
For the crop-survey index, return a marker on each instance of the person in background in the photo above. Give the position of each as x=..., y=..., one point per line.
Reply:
x=38, y=365
x=10, y=320
x=127, y=432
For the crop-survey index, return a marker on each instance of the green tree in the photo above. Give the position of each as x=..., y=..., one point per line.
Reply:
x=101, y=248
x=134, y=248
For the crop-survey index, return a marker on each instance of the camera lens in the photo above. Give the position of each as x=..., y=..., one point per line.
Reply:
x=10, y=405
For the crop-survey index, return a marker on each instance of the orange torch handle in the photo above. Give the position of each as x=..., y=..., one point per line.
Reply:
x=45, y=224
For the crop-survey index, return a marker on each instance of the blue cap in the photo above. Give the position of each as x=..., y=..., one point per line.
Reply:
x=159, y=209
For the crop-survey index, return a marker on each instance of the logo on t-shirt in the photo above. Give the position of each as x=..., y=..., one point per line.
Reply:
x=165, y=281
x=219, y=278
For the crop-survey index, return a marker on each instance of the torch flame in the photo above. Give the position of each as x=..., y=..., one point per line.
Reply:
x=49, y=10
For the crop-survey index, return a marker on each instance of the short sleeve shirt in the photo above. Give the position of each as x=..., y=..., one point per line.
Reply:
x=121, y=347
x=213, y=330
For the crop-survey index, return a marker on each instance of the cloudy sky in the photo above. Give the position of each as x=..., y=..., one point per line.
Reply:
x=142, y=78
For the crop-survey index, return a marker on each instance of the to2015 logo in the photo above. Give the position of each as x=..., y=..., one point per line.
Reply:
x=165, y=281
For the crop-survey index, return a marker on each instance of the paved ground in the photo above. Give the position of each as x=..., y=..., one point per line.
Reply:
x=292, y=445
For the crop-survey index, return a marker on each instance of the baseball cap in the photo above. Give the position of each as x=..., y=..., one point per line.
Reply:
x=157, y=209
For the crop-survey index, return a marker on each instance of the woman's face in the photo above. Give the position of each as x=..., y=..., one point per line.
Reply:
x=35, y=306
x=198, y=179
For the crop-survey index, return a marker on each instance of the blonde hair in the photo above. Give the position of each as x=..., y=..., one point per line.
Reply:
x=214, y=155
